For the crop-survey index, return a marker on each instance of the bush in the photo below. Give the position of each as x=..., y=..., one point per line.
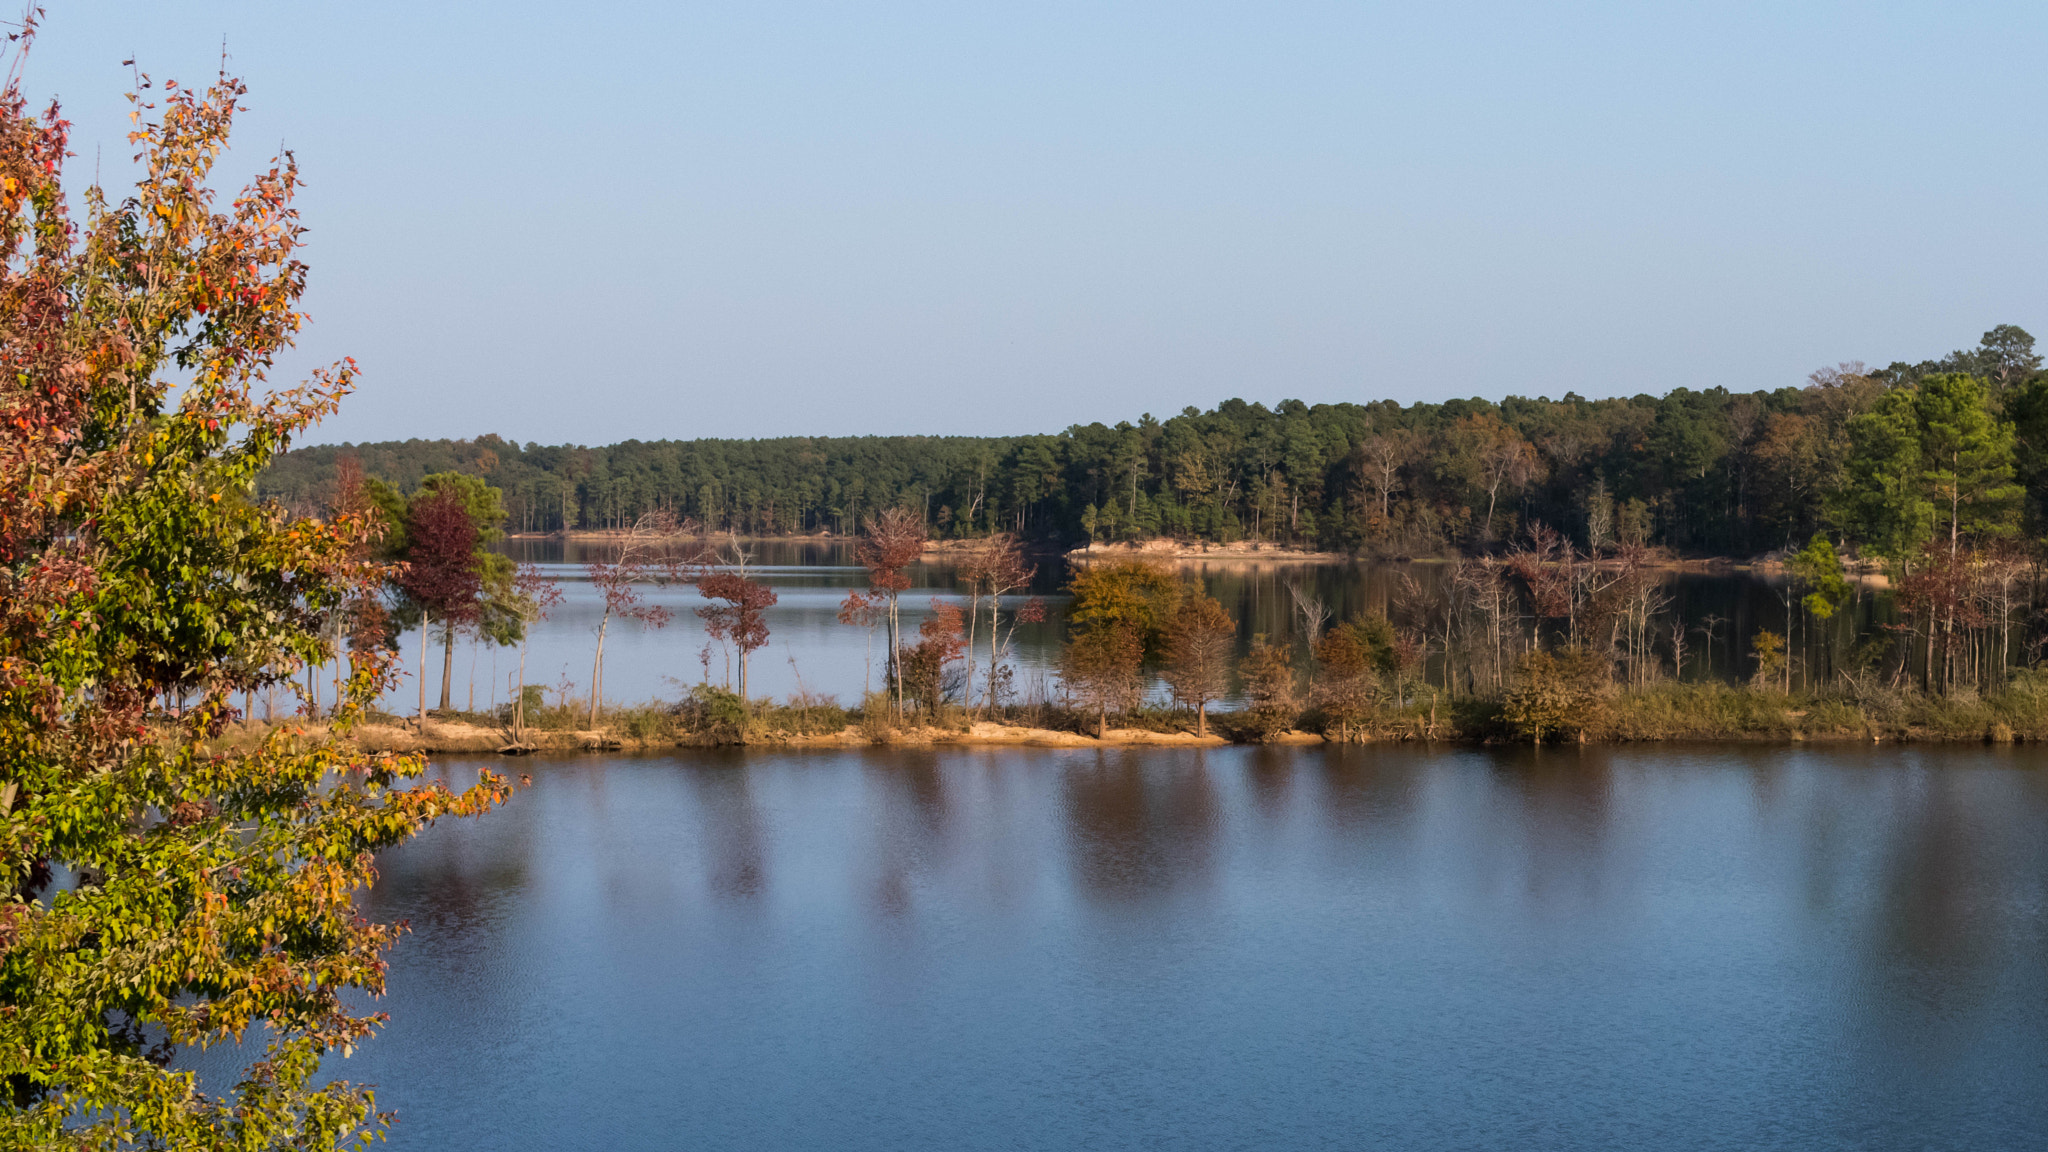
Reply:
x=1561, y=694
x=715, y=713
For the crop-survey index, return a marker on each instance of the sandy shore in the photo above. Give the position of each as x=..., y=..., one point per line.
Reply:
x=1184, y=552
x=438, y=736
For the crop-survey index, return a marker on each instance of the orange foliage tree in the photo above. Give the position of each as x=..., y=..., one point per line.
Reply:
x=157, y=893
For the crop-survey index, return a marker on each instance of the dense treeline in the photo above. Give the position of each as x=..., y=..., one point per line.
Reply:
x=1699, y=472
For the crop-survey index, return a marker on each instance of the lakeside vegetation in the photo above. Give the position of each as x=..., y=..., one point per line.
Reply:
x=1925, y=475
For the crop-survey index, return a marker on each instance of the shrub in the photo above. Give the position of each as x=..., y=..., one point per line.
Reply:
x=714, y=712
x=1268, y=672
x=1556, y=695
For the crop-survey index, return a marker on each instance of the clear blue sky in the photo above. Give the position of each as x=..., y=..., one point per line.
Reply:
x=597, y=221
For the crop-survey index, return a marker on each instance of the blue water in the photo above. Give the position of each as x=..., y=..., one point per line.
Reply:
x=1233, y=949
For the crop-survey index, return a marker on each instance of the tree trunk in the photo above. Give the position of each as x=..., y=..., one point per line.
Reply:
x=423, y=666
x=1201, y=718
x=519, y=707
x=896, y=655
x=447, y=661
x=597, y=668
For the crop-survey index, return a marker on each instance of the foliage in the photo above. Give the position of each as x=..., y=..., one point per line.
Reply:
x=1768, y=650
x=891, y=543
x=1693, y=471
x=1556, y=694
x=1100, y=667
x=1269, y=687
x=157, y=893
x=926, y=665
x=738, y=612
x=1820, y=570
x=1134, y=595
x=1344, y=680
x=1199, y=637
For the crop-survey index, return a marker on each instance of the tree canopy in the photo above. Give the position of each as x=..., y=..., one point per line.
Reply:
x=1697, y=471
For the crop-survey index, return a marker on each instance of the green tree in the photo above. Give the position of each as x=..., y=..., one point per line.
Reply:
x=1818, y=569
x=1882, y=502
x=1967, y=457
x=157, y=892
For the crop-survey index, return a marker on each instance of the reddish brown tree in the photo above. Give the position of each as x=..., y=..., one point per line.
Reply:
x=1269, y=685
x=892, y=542
x=441, y=574
x=1344, y=680
x=738, y=614
x=1101, y=667
x=1198, y=641
x=941, y=639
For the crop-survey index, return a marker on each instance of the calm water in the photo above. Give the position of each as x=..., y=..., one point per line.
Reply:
x=1237, y=949
x=808, y=648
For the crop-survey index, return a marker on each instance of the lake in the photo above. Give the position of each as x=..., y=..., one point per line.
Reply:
x=1240, y=948
x=809, y=649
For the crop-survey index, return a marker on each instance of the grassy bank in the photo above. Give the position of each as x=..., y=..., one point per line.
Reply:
x=1661, y=712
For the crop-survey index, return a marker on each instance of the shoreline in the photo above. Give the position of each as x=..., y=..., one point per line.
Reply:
x=457, y=737
x=1197, y=552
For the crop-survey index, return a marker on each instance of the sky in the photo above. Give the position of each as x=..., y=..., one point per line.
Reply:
x=603, y=221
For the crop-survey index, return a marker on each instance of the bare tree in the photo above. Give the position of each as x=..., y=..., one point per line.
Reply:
x=1313, y=612
x=646, y=555
x=993, y=570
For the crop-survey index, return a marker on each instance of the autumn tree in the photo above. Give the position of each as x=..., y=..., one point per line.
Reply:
x=1487, y=456
x=1132, y=594
x=925, y=665
x=892, y=542
x=441, y=578
x=1344, y=681
x=420, y=530
x=1101, y=667
x=1561, y=693
x=362, y=623
x=1200, y=637
x=738, y=612
x=159, y=892
x=1270, y=687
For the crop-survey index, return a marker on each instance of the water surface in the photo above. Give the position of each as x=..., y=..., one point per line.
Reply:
x=1382, y=947
x=809, y=650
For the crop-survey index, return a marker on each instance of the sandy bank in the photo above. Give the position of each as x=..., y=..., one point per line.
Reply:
x=450, y=737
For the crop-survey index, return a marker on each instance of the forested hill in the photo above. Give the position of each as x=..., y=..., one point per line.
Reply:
x=1698, y=471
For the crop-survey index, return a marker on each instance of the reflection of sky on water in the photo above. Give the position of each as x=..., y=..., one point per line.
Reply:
x=1608, y=948
x=809, y=648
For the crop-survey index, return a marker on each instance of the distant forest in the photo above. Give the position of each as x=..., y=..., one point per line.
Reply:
x=1699, y=472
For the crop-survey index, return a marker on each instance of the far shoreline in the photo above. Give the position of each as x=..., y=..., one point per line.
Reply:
x=1176, y=552
x=1192, y=553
